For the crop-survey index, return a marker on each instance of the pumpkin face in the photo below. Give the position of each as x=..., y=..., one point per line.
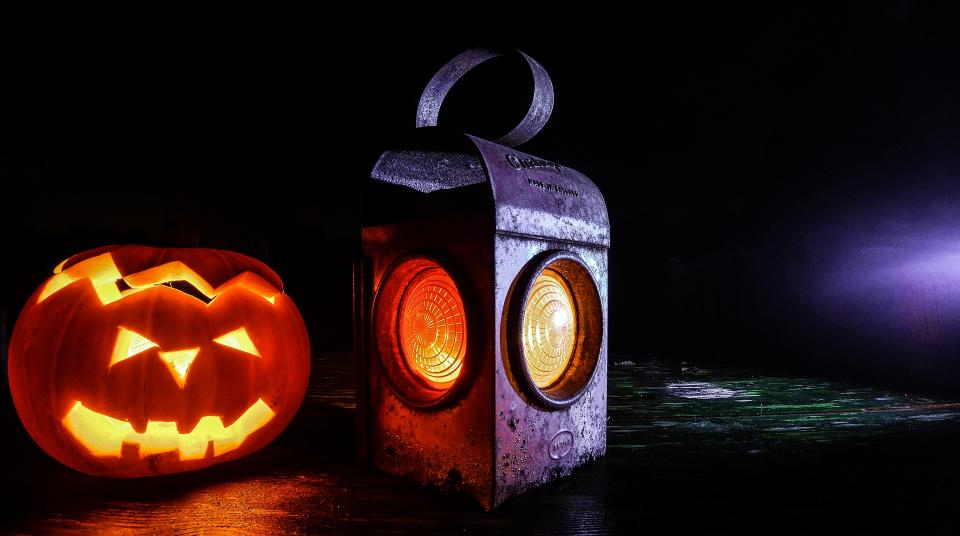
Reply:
x=134, y=361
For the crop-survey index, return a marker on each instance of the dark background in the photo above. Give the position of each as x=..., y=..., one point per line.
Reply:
x=783, y=183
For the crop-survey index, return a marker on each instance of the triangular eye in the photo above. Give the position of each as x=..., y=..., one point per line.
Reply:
x=130, y=343
x=238, y=340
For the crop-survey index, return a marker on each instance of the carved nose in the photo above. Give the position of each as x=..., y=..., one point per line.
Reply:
x=179, y=363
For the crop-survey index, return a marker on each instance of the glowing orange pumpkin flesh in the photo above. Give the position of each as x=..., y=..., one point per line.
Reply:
x=134, y=361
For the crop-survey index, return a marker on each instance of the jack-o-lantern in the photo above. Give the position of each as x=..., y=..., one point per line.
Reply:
x=134, y=361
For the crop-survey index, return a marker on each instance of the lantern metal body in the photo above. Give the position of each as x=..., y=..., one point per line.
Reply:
x=495, y=219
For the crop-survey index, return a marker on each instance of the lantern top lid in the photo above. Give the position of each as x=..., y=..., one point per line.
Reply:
x=531, y=196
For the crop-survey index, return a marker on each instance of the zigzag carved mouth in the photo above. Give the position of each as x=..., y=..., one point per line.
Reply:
x=104, y=436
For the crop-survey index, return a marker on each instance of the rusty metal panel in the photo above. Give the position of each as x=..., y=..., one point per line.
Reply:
x=449, y=447
x=535, y=445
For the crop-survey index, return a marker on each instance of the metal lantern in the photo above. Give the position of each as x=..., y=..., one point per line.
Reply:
x=481, y=306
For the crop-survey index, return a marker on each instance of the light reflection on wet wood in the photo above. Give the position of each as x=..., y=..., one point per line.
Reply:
x=717, y=451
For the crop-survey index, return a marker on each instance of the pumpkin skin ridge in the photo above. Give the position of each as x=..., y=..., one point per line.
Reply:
x=33, y=411
x=288, y=350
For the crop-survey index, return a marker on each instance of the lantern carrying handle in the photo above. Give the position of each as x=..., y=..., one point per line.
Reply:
x=540, y=107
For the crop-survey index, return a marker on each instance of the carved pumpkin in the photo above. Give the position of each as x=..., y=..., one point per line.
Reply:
x=133, y=361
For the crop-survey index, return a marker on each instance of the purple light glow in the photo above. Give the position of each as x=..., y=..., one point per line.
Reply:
x=893, y=274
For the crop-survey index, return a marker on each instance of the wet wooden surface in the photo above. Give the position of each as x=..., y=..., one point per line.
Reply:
x=690, y=450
